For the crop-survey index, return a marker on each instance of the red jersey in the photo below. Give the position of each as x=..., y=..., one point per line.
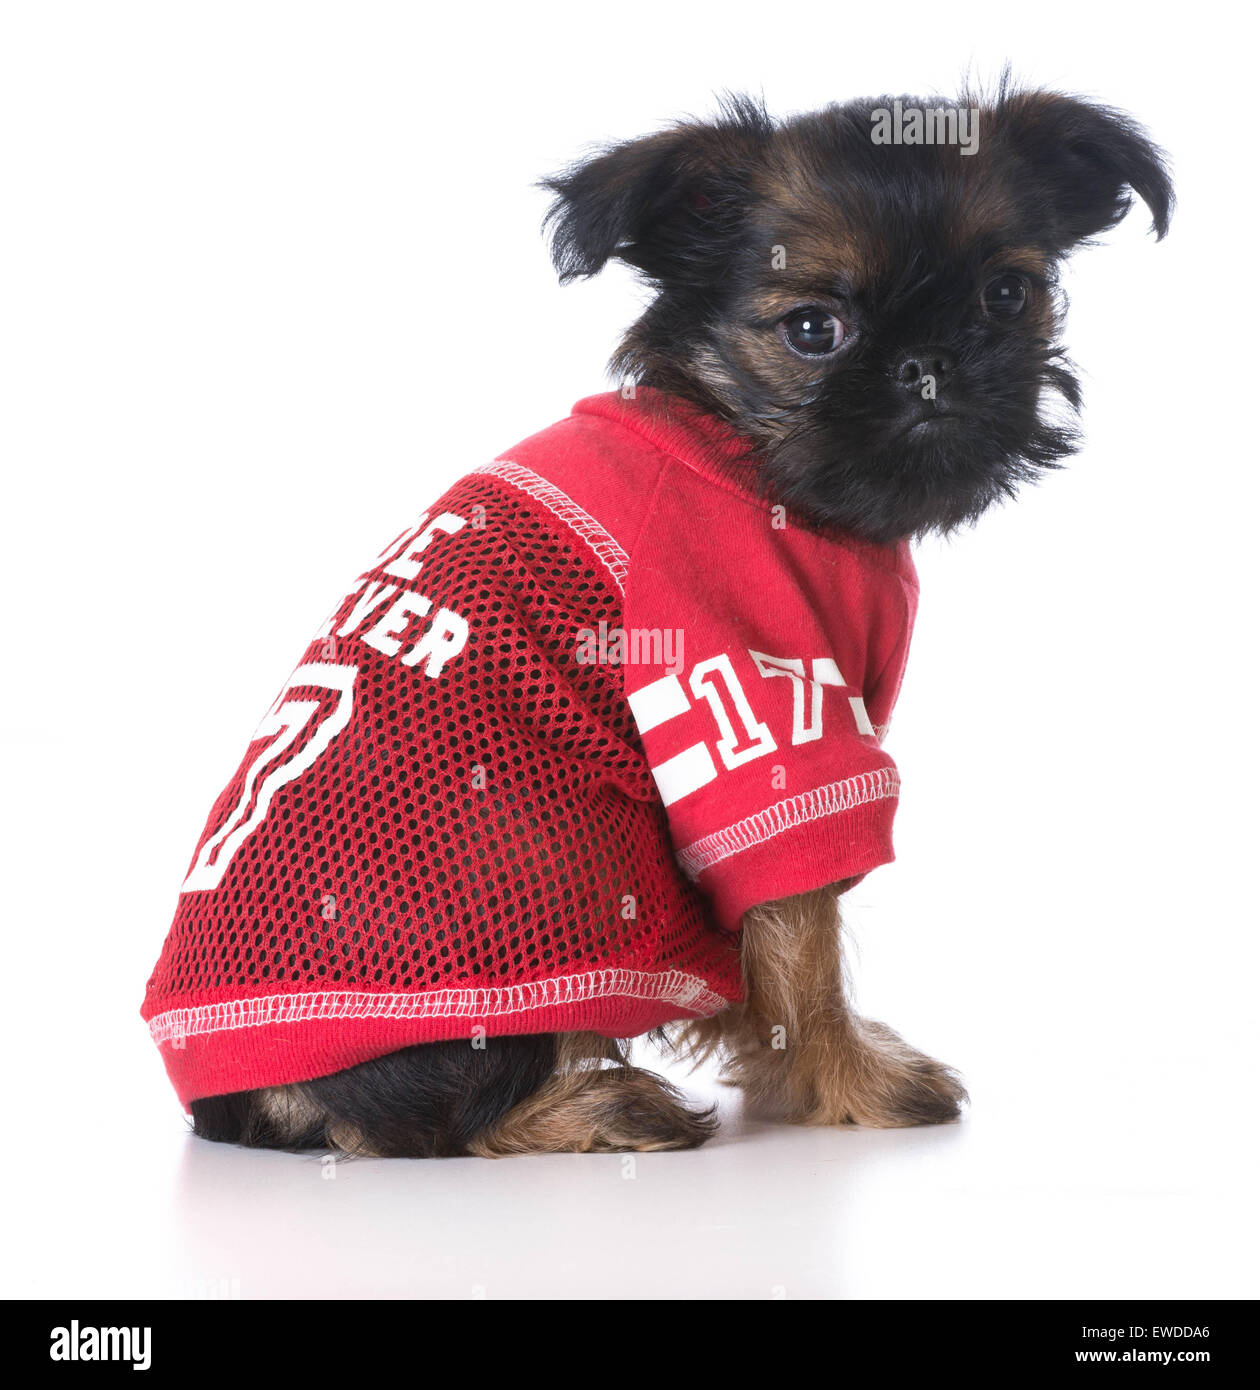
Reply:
x=566, y=729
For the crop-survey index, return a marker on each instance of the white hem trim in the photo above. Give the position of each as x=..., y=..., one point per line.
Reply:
x=666, y=987
x=560, y=504
x=829, y=800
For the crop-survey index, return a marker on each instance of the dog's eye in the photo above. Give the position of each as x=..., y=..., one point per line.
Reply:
x=812, y=332
x=1005, y=296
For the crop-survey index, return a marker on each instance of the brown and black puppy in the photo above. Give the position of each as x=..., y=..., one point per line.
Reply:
x=868, y=295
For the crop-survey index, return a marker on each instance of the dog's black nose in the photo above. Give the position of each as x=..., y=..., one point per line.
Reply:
x=914, y=368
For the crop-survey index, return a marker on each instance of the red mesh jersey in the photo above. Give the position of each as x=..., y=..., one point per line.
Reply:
x=566, y=729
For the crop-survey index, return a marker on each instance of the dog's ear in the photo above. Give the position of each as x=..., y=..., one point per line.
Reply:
x=661, y=203
x=1075, y=161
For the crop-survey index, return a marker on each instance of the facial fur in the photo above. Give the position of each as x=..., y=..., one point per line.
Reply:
x=932, y=399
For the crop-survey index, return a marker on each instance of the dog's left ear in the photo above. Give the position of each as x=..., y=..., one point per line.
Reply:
x=1075, y=163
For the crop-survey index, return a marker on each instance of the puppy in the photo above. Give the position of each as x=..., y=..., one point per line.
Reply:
x=594, y=747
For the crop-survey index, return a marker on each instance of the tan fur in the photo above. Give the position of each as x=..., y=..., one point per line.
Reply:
x=348, y=1140
x=589, y=1108
x=288, y=1109
x=1027, y=258
x=818, y=243
x=293, y=1113
x=794, y=1047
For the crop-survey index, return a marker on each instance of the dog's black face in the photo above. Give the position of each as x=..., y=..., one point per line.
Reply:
x=878, y=318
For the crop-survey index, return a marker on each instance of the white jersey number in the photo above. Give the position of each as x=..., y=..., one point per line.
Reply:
x=742, y=736
x=285, y=720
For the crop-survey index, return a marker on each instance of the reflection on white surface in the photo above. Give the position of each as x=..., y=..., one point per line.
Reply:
x=759, y=1212
x=971, y=1210
x=1037, y=1193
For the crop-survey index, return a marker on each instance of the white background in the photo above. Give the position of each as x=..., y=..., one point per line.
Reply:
x=272, y=278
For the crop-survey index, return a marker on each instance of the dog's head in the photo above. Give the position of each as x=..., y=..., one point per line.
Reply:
x=867, y=293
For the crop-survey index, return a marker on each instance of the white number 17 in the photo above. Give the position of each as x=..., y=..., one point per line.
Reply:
x=824, y=671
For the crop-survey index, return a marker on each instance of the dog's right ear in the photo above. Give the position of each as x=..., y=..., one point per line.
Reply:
x=661, y=203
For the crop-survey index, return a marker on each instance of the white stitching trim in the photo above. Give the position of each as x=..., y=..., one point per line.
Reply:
x=667, y=987
x=829, y=800
x=582, y=523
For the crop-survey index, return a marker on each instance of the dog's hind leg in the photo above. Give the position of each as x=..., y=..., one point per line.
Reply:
x=427, y=1101
x=590, y=1107
x=538, y=1093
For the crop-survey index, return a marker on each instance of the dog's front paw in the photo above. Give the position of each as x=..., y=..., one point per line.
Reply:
x=876, y=1078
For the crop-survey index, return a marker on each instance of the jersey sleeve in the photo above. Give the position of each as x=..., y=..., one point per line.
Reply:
x=884, y=688
x=765, y=664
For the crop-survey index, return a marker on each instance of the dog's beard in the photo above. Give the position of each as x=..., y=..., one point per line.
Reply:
x=854, y=459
